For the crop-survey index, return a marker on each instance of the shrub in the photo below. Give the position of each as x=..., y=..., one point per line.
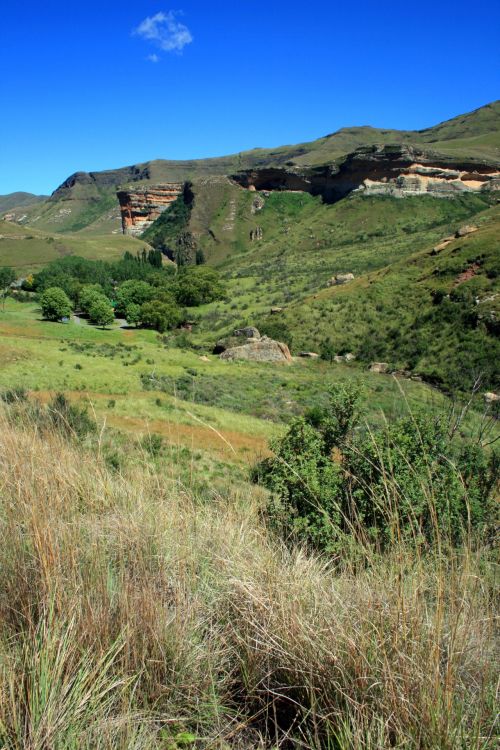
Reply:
x=408, y=481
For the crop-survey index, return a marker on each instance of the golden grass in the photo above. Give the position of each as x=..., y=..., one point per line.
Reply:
x=131, y=611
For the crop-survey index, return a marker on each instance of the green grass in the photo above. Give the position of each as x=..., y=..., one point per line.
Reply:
x=27, y=249
x=167, y=390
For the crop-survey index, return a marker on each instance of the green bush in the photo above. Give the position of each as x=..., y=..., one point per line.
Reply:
x=327, y=479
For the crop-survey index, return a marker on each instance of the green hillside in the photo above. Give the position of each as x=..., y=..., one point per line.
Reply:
x=27, y=249
x=18, y=200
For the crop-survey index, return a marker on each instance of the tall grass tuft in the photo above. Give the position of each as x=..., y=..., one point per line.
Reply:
x=135, y=615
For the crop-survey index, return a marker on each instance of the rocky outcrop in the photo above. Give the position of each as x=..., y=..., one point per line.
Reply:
x=340, y=278
x=247, y=343
x=260, y=350
x=380, y=170
x=140, y=207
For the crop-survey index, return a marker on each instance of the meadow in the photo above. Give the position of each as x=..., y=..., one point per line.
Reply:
x=140, y=381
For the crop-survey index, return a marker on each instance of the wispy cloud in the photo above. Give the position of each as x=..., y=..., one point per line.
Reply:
x=165, y=32
x=153, y=58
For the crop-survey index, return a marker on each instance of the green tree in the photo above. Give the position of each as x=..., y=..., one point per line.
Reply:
x=7, y=276
x=132, y=292
x=89, y=294
x=160, y=315
x=327, y=350
x=133, y=314
x=101, y=313
x=55, y=304
x=198, y=285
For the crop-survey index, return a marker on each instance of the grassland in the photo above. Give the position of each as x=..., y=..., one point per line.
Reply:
x=142, y=383
x=27, y=249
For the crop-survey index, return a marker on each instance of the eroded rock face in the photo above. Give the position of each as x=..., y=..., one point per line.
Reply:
x=141, y=206
x=380, y=170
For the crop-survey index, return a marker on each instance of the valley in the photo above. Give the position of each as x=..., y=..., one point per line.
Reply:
x=249, y=425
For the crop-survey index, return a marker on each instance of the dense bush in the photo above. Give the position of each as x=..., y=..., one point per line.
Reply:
x=408, y=481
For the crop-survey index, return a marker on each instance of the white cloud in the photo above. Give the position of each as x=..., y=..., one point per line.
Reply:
x=165, y=32
x=153, y=58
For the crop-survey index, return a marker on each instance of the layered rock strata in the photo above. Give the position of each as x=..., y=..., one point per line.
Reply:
x=140, y=207
x=380, y=170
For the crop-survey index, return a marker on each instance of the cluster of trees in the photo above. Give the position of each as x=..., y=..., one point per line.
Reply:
x=329, y=479
x=137, y=289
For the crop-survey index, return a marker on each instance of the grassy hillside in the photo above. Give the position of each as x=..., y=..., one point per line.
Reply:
x=27, y=249
x=434, y=312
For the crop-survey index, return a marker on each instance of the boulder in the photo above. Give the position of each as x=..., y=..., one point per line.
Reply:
x=340, y=278
x=309, y=355
x=338, y=358
x=349, y=357
x=463, y=231
x=276, y=310
x=379, y=367
x=263, y=349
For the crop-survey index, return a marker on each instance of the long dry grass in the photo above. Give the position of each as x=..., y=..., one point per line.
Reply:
x=132, y=613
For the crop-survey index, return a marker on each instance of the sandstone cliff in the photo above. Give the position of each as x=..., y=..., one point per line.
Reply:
x=380, y=170
x=140, y=207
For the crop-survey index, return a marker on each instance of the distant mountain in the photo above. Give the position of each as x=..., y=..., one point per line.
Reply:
x=87, y=200
x=18, y=200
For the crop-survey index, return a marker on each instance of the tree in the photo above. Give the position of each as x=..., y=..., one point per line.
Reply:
x=155, y=258
x=160, y=315
x=7, y=276
x=101, y=313
x=198, y=285
x=199, y=257
x=90, y=294
x=133, y=314
x=55, y=304
x=132, y=292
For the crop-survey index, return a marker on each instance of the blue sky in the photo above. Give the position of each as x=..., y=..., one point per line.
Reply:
x=94, y=85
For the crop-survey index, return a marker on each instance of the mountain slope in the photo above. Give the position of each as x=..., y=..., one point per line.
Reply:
x=86, y=201
x=19, y=200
